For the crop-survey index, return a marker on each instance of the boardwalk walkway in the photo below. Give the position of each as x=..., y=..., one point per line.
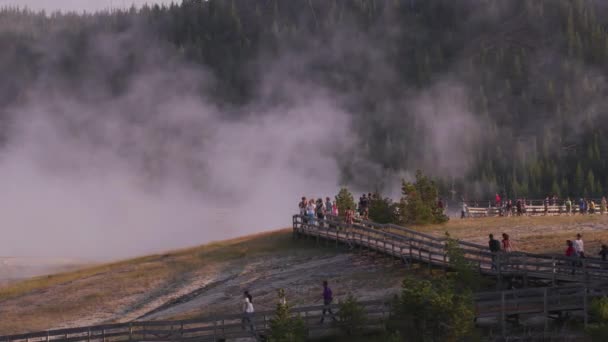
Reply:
x=395, y=241
x=412, y=246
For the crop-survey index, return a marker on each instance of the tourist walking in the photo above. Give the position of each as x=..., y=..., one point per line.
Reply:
x=248, y=311
x=327, y=300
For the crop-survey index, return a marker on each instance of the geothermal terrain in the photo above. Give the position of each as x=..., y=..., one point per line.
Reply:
x=209, y=279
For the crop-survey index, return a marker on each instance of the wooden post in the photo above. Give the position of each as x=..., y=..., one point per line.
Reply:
x=586, y=319
x=503, y=318
x=130, y=331
x=47, y=336
x=337, y=236
x=88, y=334
x=546, y=308
x=103, y=335
x=554, y=271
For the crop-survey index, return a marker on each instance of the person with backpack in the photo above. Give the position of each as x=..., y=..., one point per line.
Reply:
x=248, y=311
x=327, y=300
x=328, y=206
x=320, y=211
x=494, y=249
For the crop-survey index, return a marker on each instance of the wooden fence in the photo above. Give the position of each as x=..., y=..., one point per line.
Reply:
x=412, y=246
x=535, y=207
x=503, y=306
x=218, y=328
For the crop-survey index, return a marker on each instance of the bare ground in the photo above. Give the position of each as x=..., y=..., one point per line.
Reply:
x=195, y=282
x=210, y=279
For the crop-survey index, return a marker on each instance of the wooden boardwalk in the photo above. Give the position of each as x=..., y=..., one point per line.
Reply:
x=412, y=246
x=395, y=241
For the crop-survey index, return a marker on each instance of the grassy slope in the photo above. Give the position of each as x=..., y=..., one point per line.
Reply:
x=44, y=302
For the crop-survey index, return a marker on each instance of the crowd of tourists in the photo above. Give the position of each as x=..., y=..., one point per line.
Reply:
x=519, y=207
x=575, y=249
x=312, y=209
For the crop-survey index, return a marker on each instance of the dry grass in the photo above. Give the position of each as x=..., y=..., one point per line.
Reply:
x=45, y=302
x=541, y=234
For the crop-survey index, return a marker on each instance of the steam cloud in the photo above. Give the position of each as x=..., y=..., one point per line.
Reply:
x=88, y=173
x=78, y=5
x=104, y=171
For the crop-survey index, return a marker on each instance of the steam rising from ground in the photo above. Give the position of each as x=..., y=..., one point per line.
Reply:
x=78, y=5
x=104, y=171
x=90, y=174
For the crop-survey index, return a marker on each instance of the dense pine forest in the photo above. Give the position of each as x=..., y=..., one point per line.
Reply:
x=484, y=95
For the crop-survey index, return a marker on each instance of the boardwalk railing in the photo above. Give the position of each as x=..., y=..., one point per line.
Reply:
x=501, y=305
x=412, y=246
x=532, y=208
x=201, y=330
x=397, y=241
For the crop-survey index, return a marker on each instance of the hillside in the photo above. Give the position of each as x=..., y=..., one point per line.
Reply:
x=210, y=279
x=198, y=281
x=488, y=96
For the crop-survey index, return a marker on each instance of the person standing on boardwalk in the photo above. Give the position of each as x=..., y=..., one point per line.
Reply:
x=327, y=300
x=494, y=249
x=579, y=246
x=248, y=311
x=506, y=243
x=571, y=253
x=302, y=206
x=463, y=212
x=603, y=252
x=329, y=206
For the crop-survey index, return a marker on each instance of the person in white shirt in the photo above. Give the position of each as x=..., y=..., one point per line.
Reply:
x=248, y=311
x=579, y=247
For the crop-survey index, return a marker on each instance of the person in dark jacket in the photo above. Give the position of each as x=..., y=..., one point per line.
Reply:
x=494, y=249
x=327, y=300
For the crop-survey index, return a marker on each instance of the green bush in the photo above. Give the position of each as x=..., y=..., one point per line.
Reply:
x=383, y=210
x=427, y=311
x=284, y=327
x=598, y=331
x=344, y=201
x=352, y=316
x=465, y=276
x=419, y=202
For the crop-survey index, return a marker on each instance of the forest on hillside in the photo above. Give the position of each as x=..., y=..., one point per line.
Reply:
x=493, y=95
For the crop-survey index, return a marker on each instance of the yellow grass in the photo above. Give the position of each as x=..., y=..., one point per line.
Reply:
x=541, y=234
x=44, y=302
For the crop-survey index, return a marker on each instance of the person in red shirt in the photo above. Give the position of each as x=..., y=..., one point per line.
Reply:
x=498, y=200
x=571, y=253
x=506, y=243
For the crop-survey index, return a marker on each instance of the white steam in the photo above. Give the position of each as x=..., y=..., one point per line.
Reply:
x=91, y=175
